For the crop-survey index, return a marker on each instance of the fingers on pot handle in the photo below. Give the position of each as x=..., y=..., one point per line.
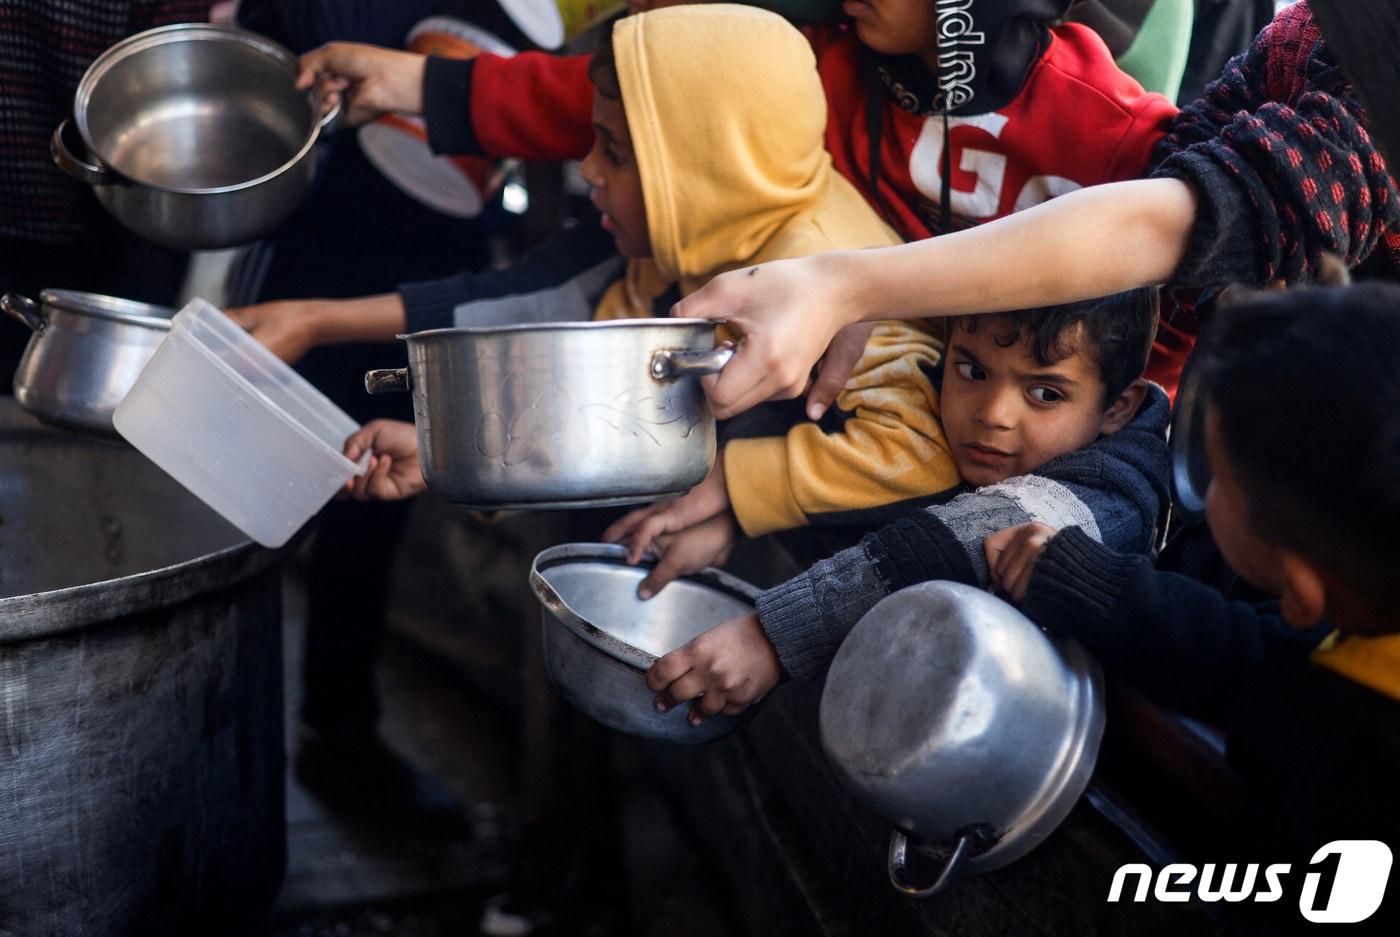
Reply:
x=666, y=365
x=899, y=851
x=390, y=381
x=25, y=310
x=83, y=171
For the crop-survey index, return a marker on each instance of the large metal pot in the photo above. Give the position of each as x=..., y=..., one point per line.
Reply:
x=600, y=638
x=86, y=352
x=962, y=723
x=196, y=136
x=141, y=750
x=573, y=414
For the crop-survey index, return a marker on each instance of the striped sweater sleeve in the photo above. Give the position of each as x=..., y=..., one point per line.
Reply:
x=1113, y=490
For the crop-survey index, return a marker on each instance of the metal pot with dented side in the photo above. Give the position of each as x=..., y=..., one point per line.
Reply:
x=963, y=724
x=572, y=414
x=85, y=354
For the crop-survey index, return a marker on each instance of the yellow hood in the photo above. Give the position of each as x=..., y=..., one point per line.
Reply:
x=727, y=116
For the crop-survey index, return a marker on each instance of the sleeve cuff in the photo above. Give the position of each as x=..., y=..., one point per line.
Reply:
x=756, y=475
x=1224, y=245
x=1076, y=584
x=790, y=617
x=447, y=85
x=429, y=304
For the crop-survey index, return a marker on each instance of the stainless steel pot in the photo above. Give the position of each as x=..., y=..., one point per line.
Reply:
x=86, y=352
x=600, y=639
x=196, y=137
x=963, y=724
x=141, y=773
x=573, y=414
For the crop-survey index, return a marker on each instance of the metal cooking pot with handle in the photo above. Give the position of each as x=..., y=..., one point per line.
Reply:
x=572, y=414
x=963, y=724
x=196, y=135
x=86, y=352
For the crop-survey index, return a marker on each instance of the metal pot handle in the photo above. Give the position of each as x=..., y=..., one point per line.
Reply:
x=899, y=849
x=25, y=310
x=390, y=381
x=666, y=365
x=91, y=173
x=331, y=119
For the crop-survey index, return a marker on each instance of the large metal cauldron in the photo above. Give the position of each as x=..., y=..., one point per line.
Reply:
x=141, y=765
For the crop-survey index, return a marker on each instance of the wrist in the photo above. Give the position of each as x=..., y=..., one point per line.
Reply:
x=846, y=283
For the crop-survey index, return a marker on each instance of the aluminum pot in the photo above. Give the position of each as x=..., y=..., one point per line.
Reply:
x=573, y=414
x=600, y=639
x=963, y=724
x=196, y=137
x=86, y=352
x=142, y=771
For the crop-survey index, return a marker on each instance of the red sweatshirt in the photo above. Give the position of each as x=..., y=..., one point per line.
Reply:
x=1078, y=121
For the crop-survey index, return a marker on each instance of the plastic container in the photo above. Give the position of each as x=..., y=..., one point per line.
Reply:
x=236, y=426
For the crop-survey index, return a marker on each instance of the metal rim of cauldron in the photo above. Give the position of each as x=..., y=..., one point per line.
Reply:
x=80, y=608
x=188, y=32
x=615, y=554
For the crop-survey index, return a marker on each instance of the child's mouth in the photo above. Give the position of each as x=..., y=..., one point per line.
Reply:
x=983, y=455
x=607, y=223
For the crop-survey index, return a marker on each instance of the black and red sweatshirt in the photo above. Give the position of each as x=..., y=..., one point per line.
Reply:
x=1047, y=113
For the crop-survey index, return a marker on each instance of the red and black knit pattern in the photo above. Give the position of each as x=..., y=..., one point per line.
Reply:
x=1279, y=140
x=45, y=46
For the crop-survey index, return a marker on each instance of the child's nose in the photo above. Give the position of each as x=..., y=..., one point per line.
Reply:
x=997, y=411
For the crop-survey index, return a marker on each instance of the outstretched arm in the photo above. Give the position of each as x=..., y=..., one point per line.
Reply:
x=1088, y=243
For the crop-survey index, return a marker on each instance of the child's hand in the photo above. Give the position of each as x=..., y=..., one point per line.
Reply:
x=639, y=529
x=1011, y=556
x=372, y=79
x=287, y=329
x=394, y=472
x=708, y=543
x=730, y=667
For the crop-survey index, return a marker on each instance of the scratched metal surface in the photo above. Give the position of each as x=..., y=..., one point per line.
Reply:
x=141, y=761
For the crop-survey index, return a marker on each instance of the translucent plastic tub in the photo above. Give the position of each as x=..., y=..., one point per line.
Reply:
x=237, y=427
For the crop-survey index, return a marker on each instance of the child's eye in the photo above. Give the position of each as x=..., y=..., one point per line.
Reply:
x=613, y=156
x=970, y=372
x=1046, y=394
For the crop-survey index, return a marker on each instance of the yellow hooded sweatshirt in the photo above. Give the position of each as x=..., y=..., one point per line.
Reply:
x=727, y=116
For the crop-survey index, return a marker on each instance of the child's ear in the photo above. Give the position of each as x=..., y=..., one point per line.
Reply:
x=1123, y=408
x=1304, y=598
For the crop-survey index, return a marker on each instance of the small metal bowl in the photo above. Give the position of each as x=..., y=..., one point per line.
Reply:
x=600, y=639
x=963, y=724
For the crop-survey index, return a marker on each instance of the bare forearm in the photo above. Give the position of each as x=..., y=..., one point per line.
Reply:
x=1089, y=243
x=368, y=319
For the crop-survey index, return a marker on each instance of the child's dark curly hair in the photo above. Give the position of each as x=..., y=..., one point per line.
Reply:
x=1119, y=330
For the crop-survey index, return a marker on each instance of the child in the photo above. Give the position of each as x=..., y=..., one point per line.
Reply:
x=1303, y=440
x=709, y=156
x=1040, y=411
x=1268, y=172
x=1029, y=111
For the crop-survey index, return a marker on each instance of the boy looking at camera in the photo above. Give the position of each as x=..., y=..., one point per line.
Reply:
x=1046, y=416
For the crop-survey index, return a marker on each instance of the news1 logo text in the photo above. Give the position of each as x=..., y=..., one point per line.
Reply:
x=1344, y=883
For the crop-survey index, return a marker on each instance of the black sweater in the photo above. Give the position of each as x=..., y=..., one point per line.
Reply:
x=1319, y=754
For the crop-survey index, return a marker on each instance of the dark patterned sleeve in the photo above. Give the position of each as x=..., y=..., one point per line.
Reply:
x=1279, y=154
